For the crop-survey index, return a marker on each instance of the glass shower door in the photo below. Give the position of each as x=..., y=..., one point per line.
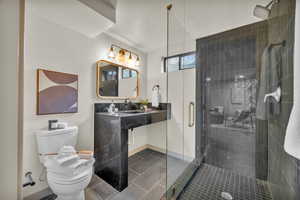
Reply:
x=180, y=71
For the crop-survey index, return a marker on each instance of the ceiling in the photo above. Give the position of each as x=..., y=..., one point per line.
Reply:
x=142, y=23
x=139, y=23
x=112, y=3
x=90, y=19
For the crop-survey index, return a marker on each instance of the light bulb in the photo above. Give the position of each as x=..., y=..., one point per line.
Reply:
x=137, y=63
x=111, y=53
x=130, y=57
x=121, y=56
x=130, y=60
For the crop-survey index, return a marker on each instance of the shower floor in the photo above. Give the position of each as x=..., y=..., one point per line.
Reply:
x=209, y=182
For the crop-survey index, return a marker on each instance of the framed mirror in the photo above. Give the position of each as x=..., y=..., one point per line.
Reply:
x=116, y=81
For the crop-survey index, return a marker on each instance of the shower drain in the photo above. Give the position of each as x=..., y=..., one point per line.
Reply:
x=226, y=196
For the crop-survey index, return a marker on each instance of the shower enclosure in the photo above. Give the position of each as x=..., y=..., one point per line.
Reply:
x=229, y=76
x=220, y=143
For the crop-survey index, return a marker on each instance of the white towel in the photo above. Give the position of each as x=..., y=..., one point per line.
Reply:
x=80, y=163
x=68, y=163
x=155, y=98
x=67, y=155
x=67, y=159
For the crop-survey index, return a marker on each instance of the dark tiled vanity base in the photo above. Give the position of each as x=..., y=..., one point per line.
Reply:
x=111, y=141
x=210, y=181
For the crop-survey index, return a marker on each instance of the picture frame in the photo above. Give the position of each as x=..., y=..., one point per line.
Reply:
x=57, y=92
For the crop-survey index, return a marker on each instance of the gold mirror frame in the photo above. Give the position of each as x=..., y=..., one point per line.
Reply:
x=98, y=82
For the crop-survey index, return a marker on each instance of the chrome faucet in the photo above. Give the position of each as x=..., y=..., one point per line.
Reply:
x=127, y=104
x=112, y=108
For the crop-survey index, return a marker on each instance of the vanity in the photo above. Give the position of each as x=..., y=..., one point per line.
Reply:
x=116, y=82
x=111, y=140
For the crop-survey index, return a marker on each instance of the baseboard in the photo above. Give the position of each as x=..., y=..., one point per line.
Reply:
x=170, y=153
x=154, y=148
x=180, y=156
x=142, y=148
x=161, y=150
x=39, y=195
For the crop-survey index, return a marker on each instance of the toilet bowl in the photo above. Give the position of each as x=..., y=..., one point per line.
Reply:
x=68, y=179
x=68, y=173
x=70, y=188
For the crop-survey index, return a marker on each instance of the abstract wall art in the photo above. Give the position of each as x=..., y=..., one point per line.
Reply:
x=57, y=92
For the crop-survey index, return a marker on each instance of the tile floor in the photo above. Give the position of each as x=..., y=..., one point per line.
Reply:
x=146, y=177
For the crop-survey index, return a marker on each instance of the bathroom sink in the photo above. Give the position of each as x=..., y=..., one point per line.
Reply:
x=131, y=111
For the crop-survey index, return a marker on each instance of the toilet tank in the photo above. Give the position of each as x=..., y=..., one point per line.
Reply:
x=50, y=141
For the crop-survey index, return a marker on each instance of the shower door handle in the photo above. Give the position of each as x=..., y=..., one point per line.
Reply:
x=191, y=114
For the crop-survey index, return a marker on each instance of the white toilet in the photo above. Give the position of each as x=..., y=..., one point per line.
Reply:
x=68, y=173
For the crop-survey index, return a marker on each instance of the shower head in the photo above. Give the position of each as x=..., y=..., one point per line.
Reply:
x=263, y=12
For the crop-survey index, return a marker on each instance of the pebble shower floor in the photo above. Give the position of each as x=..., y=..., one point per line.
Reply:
x=209, y=182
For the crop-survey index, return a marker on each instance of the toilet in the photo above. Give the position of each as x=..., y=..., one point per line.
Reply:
x=68, y=172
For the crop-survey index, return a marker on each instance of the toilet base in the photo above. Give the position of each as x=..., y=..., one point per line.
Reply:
x=77, y=196
x=50, y=197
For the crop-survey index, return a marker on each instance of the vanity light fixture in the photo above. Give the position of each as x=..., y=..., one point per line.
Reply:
x=122, y=55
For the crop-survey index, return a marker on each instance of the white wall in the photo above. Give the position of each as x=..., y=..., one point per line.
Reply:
x=127, y=87
x=179, y=140
x=9, y=69
x=174, y=140
x=155, y=76
x=53, y=47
